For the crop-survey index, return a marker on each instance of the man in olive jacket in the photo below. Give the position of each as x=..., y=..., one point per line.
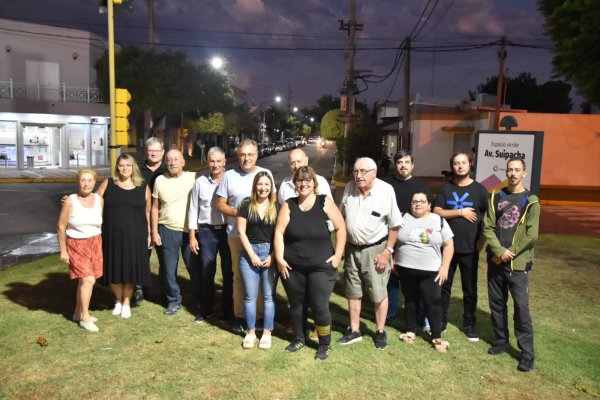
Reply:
x=511, y=229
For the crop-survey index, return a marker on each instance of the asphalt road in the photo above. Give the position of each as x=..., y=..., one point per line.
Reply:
x=29, y=211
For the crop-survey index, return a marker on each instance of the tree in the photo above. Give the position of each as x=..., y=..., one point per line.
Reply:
x=167, y=82
x=574, y=28
x=331, y=128
x=523, y=92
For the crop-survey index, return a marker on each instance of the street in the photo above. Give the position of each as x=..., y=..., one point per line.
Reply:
x=29, y=211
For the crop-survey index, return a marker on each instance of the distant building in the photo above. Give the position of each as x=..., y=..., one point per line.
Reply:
x=51, y=113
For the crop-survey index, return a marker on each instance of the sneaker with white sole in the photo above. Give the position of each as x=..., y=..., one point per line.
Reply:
x=265, y=342
x=350, y=337
x=471, y=334
x=89, y=326
x=249, y=340
x=126, y=312
x=77, y=318
x=118, y=308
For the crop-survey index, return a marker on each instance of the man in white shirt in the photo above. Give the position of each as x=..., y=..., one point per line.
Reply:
x=297, y=158
x=234, y=187
x=372, y=222
x=208, y=237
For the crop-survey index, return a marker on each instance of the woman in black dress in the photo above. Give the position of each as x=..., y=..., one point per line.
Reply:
x=125, y=232
x=306, y=258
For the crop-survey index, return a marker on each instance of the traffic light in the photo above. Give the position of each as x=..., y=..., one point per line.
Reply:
x=122, y=97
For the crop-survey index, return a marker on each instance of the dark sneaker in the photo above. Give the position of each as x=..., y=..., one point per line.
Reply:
x=294, y=346
x=172, y=310
x=137, y=298
x=199, y=319
x=525, y=365
x=470, y=334
x=350, y=337
x=323, y=352
x=238, y=325
x=380, y=339
x=496, y=350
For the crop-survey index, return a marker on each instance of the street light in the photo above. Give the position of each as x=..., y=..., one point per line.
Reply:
x=217, y=62
x=277, y=99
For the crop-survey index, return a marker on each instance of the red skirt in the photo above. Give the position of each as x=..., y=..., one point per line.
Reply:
x=85, y=257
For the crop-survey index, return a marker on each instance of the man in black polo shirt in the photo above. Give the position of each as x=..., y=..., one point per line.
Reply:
x=463, y=202
x=152, y=167
x=405, y=185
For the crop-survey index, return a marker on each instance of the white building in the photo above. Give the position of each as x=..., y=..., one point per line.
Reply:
x=51, y=113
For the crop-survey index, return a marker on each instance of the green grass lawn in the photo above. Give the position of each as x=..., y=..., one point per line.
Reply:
x=152, y=356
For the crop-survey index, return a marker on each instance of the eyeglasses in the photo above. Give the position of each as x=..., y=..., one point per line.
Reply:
x=362, y=172
x=305, y=181
x=418, y=202
x=154, y=151
x=246, y=155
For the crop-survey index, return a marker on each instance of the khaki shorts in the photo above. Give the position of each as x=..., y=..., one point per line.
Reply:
x=359, y=272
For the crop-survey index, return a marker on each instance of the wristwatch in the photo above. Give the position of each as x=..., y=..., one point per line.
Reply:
x=390, y=249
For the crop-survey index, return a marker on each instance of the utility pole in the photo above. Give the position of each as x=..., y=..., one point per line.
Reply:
x=406, y=105
x=347, y=106
x=501, y=57
x=148, y=123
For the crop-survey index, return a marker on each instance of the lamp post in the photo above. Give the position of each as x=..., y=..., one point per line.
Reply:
x=277, y=99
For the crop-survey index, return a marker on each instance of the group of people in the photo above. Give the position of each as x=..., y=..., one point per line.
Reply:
x=388, y=235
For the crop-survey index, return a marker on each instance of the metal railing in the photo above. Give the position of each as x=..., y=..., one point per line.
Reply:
x=39, y=92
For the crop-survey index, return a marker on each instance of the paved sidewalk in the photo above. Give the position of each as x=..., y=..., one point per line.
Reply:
x=40, y=175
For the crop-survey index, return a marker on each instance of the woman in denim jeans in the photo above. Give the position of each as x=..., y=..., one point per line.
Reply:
x=256, y=219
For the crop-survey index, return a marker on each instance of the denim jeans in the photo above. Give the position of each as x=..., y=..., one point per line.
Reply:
x=211, y=241
x=173, y=242
x=252, y=278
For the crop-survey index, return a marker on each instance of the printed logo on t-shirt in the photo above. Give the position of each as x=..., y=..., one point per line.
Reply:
x=510, y=217
x=459, y=202
x=420, y=235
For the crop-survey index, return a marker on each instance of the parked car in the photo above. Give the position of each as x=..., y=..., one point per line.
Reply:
x=279, y=146
x=290, y=143
x=311, y=140
x=272, y=148
x=263, y=150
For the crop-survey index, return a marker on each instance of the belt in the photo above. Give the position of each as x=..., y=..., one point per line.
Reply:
x=214, y=227
x=365, y=246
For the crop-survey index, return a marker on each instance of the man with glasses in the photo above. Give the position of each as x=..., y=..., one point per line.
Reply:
x=234, y=187
x=372, y=222
x=152, y=167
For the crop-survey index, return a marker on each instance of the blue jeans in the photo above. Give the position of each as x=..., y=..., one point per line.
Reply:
x=252, y=277
x=213, y=240
x=173, y=242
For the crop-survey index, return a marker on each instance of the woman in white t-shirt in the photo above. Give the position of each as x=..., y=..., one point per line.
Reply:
x=80, y=240
x=422, y=261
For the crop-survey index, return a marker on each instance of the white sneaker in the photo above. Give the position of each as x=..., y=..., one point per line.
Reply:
x=265, y=342
x=118, y=308
x=126, y=312
x=248, y=342
x=89, y=326
x=77, y=318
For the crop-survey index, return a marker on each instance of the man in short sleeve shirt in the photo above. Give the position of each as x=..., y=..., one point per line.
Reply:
x=372, y=222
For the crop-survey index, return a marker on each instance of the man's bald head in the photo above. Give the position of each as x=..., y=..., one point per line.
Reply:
x=296, y=159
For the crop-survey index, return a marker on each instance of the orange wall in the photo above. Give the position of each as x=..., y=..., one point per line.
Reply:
x=571, y=154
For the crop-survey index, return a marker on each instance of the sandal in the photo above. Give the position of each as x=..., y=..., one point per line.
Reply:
x=408, y=337
x=441, y=346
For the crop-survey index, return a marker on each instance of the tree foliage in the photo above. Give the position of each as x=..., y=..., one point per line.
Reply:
x=166, y=82
x=523, y=92
x=574, y=27
x=331, y=128
x=364, y=141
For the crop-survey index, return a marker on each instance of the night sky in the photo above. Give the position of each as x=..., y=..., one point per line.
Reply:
x=271, y=46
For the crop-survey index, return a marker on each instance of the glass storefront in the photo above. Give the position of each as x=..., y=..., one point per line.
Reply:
x=41, y=146
x=8, y=144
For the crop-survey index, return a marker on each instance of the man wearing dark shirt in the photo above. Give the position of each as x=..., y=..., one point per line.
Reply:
x=405, y=185
x=152, y=167
x=463, y=202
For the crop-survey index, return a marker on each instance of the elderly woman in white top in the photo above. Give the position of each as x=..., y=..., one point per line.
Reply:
x=80, y=240
x=422, y=261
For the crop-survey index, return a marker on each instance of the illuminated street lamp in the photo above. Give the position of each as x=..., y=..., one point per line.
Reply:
x=217, y=62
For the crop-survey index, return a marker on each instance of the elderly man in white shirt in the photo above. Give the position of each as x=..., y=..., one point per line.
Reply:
x=296, y=159
x=372, y=221
x=208, y=237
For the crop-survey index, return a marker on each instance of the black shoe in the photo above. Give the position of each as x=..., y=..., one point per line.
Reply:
x=172, y=309
x=470, y=334
x=200, y=318
x=380, y=339
x=323, y=352
x=496, y=350
x=238, y=325
x=350, y=337
x=295, y=346
x=137, y=298
x=525, y=365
